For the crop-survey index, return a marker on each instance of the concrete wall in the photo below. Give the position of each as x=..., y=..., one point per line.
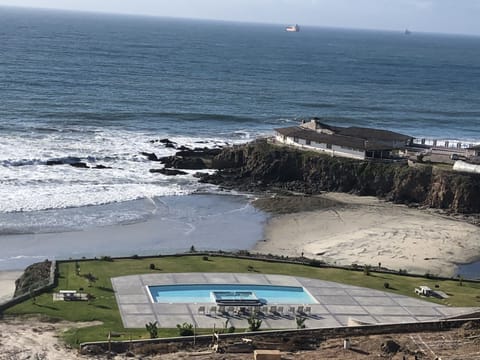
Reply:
x=466, y=167
x=277, y=337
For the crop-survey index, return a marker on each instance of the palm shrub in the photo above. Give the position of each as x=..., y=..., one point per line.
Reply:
x=300, y=320
x=185, y=329
x=254, y=323
x=152, y=329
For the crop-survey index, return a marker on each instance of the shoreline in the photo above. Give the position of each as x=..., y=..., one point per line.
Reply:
x=366, y=230
x=205, y=221
x=7, y=284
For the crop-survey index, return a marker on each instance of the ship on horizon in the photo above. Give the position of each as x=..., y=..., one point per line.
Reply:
x=292, y=28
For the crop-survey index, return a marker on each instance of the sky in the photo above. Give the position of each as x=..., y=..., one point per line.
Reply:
x=438, y=16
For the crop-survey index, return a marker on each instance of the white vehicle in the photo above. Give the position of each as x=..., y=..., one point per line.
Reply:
x=423, y=291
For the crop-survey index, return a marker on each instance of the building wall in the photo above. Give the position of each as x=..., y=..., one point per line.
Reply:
x=335, y=150
x=464, y=166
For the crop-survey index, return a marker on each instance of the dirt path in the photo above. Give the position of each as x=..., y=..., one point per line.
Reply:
x=32, y=338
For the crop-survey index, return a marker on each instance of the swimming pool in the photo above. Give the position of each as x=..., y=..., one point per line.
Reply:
x=216, y=293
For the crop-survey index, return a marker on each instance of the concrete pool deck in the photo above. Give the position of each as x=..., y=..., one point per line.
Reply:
x=338, y=304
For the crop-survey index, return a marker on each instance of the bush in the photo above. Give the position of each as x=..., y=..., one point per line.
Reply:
x=185, y=329
x=300, y=320
x=315, y=263
x=366, y=270
x=152, y=329
x=254, y=323
x=205, y=258
x=152, y=266
x=386, y=285
x=106, y=258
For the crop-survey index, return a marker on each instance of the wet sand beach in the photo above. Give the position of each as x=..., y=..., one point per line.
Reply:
x=205, y=221
x=365, y=230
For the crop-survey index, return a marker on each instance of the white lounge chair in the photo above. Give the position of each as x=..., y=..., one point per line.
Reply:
x=273, y=309
x=201, y=309
x=308, y=310
x=300, y=309
x=213, y=309
x=280, y=310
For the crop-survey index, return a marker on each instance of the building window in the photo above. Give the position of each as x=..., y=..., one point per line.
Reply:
x=329, y=146
x=308, y=142
x=295, y=139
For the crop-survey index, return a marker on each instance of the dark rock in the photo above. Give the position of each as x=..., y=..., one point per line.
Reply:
x=179, y=162
x=102, y=167
x=167, y=141
x=183, y=148
x=189, y=163
x=390, y=347
x=54, y=162
x=80, y=165
x=205, y=152
x=67, y=160
x=169, y=172
x=170, y=145
x=150, y=156
x=92, y=350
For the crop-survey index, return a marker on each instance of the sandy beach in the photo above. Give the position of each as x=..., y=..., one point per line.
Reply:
x=365, y=230
x=7, y=284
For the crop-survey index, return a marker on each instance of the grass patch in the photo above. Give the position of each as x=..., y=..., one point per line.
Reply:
x=104, y=307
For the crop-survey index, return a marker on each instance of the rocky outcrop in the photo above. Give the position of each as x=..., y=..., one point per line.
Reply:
x=260, y=166
x=191, y=159
x=168, y=172
x=33, y=277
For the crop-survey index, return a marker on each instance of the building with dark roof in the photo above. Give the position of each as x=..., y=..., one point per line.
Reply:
x=351, y=142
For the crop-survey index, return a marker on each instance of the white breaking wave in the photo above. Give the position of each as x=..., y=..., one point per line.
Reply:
x=28, y=184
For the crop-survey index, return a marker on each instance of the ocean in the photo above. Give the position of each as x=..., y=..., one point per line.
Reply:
x=102, y=88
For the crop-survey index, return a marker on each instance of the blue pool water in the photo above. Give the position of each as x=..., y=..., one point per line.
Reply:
x=203, y=293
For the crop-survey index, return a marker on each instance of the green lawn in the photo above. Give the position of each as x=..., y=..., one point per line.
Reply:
x=104, y=307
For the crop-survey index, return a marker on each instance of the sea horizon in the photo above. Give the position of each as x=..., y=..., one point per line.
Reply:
x=239, y=22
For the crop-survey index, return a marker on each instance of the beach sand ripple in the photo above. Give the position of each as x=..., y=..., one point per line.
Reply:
x=365, y=230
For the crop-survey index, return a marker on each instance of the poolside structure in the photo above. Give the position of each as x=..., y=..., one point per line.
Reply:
x=334, y=304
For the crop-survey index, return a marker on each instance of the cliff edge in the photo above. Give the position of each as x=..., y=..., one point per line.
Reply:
x=261, y=166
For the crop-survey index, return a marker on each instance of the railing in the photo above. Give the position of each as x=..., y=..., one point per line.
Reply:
x=449, y=144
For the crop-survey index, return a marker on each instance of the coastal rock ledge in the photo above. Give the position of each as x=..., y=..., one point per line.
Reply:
x=261, y=166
